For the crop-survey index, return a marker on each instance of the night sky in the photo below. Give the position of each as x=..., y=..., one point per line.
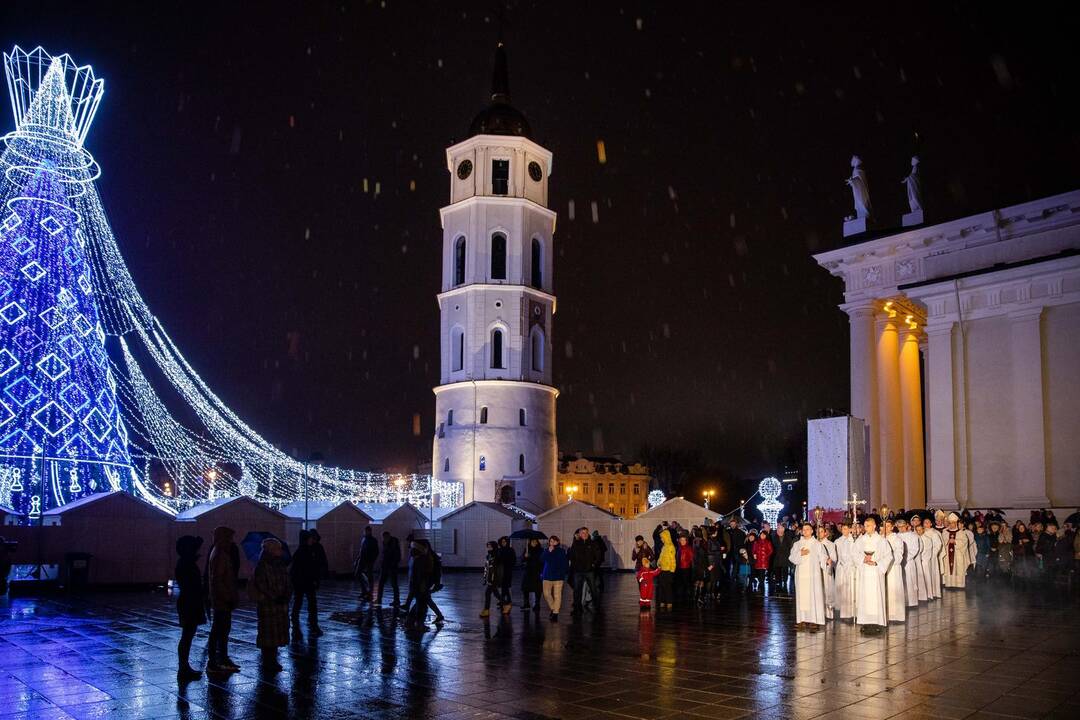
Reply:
x=236, y=144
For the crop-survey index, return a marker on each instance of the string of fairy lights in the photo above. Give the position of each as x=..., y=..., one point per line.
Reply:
x=157, y=456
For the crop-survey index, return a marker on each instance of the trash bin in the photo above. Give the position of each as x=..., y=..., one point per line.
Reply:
x=77, y=565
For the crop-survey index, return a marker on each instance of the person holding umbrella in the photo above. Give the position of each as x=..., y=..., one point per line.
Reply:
x=533, y=561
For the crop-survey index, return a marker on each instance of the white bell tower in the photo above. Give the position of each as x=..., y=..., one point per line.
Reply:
x=495, y=405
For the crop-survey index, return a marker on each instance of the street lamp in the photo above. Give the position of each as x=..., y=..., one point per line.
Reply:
x=570, y=490
x=707, y=494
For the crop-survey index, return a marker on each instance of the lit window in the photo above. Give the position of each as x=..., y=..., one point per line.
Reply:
x=498, y=256
x=599, y=488
x=483, y=463
x=622, y=488
x=585, y=488
x=611, y=488
x=637, y=509
x=483, y=416
x=637, y=490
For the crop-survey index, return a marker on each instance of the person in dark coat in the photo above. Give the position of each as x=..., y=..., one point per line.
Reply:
x=601, y=555
x=507, y=559
x=583, y=561
x=190, y=608
x=421, y=569
x=306, y=572
x=641, y=551
x=365, y=563
x=270, y=589
x=736, y=543
x=492, y=577
x=533, y=561
x=782, y=540
x=222, y=581
x=388, y=567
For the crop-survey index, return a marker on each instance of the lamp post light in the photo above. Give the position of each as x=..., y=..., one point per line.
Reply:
x=707, y=494
x=570, y=490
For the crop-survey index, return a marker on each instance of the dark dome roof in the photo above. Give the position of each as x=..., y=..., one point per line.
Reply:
x=500, y=118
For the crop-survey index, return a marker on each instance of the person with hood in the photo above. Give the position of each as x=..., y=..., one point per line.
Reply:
x=583, y=560
x=507, y=559
x=667, y=564
x=553, y=574
x=646, y=576
x=270, y=589
x=222, y=574
x=533, y=561
x=190, y=608
x=306, y=571
x=365, y=563
x=388, y=567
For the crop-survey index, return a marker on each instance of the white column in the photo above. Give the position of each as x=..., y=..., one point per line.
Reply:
x=890, y=425
x=941, y=416
x=911, y=418
x=1028, y=404
x=864, y=396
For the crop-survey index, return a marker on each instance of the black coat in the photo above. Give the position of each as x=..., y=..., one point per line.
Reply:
x=369, y=550
x=190, y=606
x=391, y=554
x=781, y=549
x=308, y=566
x=534, y=566
x=583, y=556
x=507, y=559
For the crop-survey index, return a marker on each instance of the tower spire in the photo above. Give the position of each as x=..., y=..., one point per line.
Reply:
x=500, y=77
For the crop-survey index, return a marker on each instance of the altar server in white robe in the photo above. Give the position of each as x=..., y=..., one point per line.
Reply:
x=830, y=571
x=934, y=567
x=811, y=561
x=911, y=562
x=845, y=572
x=896, y=598
x=955, y=554
x=927, y=559
x=873, y=556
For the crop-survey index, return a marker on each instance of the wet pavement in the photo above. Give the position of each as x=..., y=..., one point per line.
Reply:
x=978, y=655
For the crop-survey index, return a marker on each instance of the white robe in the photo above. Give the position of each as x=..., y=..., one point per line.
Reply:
x=809, y=583
x=934, y=567
x=830, y=578
x=845, y=576
x=870, y=602
x=911, y=567
x=926, y=564
x=955, y=574
x=896, y=597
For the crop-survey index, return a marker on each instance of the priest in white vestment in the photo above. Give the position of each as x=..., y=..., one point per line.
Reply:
x=873, y=556
x=830, y=571
x=911, y=563
x=935, y=567
x=956, y=554
x=845, y=572
x=811, y=562
x=896, y=598
x=927, y=561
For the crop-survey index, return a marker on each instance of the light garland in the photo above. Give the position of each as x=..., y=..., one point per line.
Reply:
x=67, y=284
x=655, y=497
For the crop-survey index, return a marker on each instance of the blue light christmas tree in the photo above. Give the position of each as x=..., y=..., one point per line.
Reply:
x=61, y=434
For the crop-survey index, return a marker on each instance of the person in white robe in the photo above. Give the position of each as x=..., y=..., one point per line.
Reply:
x=927, y=560
x=845, y=572
x=873, y=556
x=896, y=597
x=811, y=562
x=935, y=566
x=911, y=563
x=955, y=554
x=830, y=571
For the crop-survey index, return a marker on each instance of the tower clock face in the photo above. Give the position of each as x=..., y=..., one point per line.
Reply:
x=464, y=169
x=535, y=172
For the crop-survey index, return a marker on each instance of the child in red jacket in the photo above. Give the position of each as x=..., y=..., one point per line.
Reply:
x=646, y=574
x=763, y=551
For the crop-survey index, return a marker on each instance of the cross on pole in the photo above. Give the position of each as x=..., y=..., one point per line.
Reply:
x=854, y=502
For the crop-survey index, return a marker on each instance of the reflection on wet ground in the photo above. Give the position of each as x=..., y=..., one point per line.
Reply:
x=985, y=655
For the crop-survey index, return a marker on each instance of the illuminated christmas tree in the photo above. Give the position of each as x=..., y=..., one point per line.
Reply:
x=61, y=434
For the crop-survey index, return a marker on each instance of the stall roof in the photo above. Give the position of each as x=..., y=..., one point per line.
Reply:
x=497, y=507
x=194, y=512
x=316, y=509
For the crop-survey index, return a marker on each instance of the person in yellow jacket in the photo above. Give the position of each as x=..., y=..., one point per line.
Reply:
x=666, y=563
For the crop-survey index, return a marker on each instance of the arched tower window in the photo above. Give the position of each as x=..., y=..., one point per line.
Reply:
x=457, y=361
x=449, y=417
x=521, y=464
x=459, y=261
x=537, y=264
x=536, y=349
x=483, y=415
x=497, y=349
x=521, y=417
x=498, y=256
